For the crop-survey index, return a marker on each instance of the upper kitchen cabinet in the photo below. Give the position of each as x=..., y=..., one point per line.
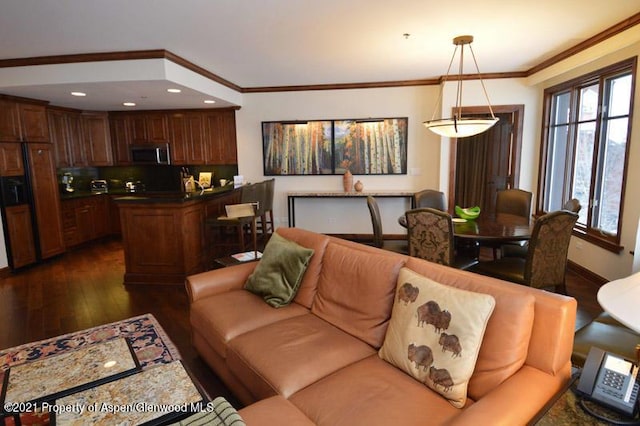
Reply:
x=220, y=130
x=65, y=130
x=120, y=139
x=23, y=122
x=11, y=159
x=149, y=128
x=187, y=138
x=9, y=121
x=33, y=120
x=97, y=140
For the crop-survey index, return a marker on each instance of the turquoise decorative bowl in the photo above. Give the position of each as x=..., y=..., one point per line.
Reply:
x=469, y=213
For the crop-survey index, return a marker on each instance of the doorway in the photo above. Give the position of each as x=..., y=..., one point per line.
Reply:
x=486, y=163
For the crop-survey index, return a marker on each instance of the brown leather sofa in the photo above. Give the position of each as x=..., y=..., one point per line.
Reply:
x=315, y=360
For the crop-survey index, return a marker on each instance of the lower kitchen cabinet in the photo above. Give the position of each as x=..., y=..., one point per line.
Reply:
x=20, y=230
x=85, y=219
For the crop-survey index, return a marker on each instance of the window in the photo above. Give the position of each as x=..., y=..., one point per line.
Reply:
x=587, y=126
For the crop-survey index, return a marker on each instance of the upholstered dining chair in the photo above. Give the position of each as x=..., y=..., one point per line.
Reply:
x=546, y=262
x=431, y=237
x=267, y=190
x=430, y=198
x=514, y=201
x=399, y=246
x=511, y=201
x=572, y=205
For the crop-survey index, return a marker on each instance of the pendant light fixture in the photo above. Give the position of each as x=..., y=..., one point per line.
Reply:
x=458, y=126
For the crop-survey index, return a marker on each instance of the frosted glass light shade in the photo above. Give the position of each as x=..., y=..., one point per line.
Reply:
x=460, y=127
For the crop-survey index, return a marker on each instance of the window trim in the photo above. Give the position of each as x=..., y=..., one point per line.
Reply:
x=608, y=242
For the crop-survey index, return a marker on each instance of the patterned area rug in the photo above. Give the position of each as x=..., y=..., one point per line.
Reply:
x=149, y=341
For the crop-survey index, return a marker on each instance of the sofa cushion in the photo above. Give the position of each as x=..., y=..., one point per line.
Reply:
x=279, y=272
x=286, y=356
x=435, y=333
x=274, y=411
x=373, y=392
x=505, y=346
x=355, y=291
x=224, y=316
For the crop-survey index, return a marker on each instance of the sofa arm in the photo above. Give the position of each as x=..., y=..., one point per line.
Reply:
x=525, y=393
x=218, y=280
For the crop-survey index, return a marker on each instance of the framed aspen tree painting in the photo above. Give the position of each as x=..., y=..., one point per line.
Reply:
x=324, y=147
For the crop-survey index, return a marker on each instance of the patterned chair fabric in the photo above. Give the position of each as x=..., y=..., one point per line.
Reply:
x=430, y=235
x=572, y=205
x=546, y=262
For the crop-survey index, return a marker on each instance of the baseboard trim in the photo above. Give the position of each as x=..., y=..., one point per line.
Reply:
x=586, y=274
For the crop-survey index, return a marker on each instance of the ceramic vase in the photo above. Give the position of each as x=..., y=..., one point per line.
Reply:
x=358, y=186
x=347, y=181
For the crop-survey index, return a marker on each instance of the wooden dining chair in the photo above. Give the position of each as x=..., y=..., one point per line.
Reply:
x=430, y=198
x=546, y=262
x=431, y=238
x=378, y=236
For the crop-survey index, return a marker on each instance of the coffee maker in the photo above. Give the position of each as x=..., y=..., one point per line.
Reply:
x=67, y=180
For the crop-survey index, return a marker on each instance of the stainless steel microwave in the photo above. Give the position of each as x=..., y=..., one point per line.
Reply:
x=150, y=154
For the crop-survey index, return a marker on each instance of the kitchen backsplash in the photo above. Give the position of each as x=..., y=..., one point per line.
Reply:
x=155, y=178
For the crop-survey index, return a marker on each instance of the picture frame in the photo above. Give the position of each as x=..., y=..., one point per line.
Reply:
x=373, y=146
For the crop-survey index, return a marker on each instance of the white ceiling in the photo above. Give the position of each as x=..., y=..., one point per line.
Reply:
x=266, y=43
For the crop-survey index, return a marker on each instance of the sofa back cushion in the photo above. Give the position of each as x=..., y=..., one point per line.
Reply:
x=356, y=290
x=506, y=339
x=317, y=242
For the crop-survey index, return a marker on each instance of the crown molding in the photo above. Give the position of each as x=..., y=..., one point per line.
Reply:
x=164, y=54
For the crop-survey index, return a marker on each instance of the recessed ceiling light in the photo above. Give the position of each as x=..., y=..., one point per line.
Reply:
x=78, y=94
x=129, y=104
x=174, y=90
x=209, y=101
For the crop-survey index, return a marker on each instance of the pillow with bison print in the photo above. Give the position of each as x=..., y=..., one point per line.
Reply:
x=435, y=333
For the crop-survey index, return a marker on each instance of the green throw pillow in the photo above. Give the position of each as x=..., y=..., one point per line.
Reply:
x=279, y=272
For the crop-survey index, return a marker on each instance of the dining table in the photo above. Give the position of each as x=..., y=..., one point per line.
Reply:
x=490, y=227
x=486, y=228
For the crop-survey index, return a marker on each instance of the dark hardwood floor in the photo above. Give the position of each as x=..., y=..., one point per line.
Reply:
x=83, y=288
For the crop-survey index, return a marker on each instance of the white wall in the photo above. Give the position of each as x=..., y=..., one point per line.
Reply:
x=428, y=154
x=342, y=216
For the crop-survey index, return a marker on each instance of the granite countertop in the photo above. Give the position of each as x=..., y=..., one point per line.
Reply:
x=172, y=197
x=122, y=195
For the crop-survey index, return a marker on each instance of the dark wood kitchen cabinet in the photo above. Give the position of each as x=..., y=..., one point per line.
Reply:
x=120, y=139
x=33, y=122
x=85, y=219
x=20, y=233
x=97, y=139
x=23, y=121
x=11, y=163
x=65, y=130
x=220, y=128
x=187, y=138
x=46, y=198
x=149, y=128
x=9, y=121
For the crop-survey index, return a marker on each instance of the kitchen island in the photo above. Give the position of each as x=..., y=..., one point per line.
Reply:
x=164, y=234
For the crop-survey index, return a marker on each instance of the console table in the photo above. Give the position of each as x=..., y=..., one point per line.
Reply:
x=292, y=196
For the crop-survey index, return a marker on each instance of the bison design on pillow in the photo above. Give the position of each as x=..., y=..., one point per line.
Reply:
x=430, y=313
x=450, y=342
x=441, y=377
x=421, y=355
x=408, y=293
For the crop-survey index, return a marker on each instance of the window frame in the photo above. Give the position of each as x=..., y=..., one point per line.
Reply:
x=573, y=88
